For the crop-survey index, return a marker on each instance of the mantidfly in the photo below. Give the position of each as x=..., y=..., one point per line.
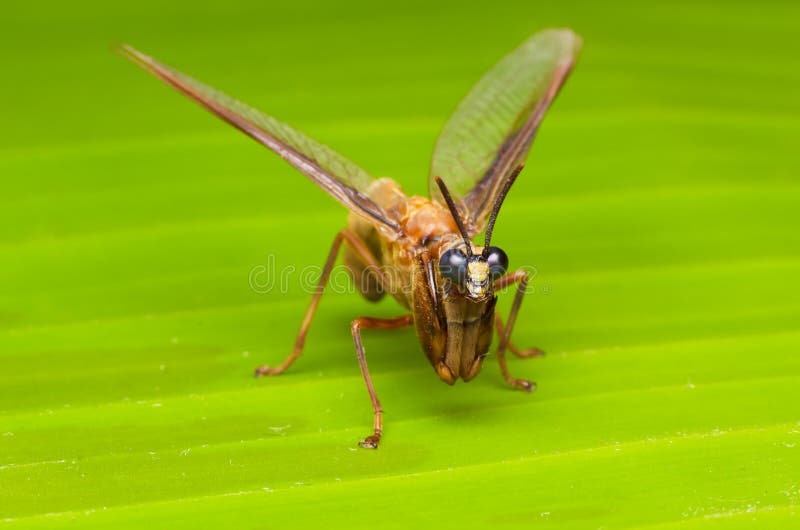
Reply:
x=417, y=249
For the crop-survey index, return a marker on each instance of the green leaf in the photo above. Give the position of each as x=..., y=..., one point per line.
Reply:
x=658, y=206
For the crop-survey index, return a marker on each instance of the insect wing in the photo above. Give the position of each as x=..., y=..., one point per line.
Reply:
x=492, y=129
x=340, y=177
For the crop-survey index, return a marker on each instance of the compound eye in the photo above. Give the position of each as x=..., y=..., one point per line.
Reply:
x=498, y=262
x=453, y=265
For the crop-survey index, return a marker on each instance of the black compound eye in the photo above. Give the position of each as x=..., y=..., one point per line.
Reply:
x=453, y=265
x=498, y=262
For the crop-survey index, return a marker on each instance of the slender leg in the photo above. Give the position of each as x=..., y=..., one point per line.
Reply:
x=358, y=245
x=519, y=277
x=525, y=353
x=371, y=442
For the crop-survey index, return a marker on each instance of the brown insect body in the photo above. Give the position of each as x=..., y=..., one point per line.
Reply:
x=419, y=250
x=455, y=331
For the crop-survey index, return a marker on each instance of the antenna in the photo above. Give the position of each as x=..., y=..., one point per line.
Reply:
x=454, y=211
x=496, y=209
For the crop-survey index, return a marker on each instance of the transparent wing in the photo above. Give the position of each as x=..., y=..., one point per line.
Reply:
x=340, y=177
x=491, y=130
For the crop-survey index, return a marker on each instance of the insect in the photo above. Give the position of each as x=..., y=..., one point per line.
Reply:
x=417, y=249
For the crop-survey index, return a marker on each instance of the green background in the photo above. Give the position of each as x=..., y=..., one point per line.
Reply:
x=659, y=206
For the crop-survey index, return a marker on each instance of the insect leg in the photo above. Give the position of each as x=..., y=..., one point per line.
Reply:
x=519, y=277
x=371, y=442
x=361, y=249
x=523, y=353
